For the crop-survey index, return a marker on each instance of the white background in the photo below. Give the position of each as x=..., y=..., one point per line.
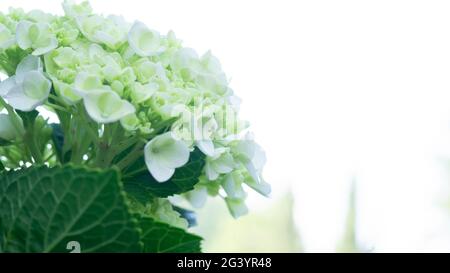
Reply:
x=333, y=90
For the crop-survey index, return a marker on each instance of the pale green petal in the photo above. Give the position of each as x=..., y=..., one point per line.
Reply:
x=142, y=92
x=184, y=58
x=245, y=149
x=197, y=197
x=160, y=172
x=66, y=92
x=22, y=34
x=85, y=82
x=232, y=185
x=210, y=63
x=7, y=39
x=29, y=63
x=206, y=146
x=96, y=53
x=7, y=85
x=223, y=164
x=211, y=173
x=36, y=85
x=169, y=151
x=262, y=187
x=66, y=57
x=39, y=16
x=146, y=70
x=130, y=122
x=50, y=44
x=88, y=25
x=37, y=36
x=259, y=157
x=236, y=207
x=127, y=76
x=20, y=101
x=163, y=154
x=106, y=106
x=144, y=41
x=74, y=10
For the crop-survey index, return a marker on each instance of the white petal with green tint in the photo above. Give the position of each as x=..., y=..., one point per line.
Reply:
x=29, y=94
x=163, y=154
x=66, y=91
x=84, y=82
x=142, y=92
x=45, y=45
x=22, y=34
x=220, y=163
x=197, y=197
x=159, y=171
x=236, y=207
x=130, y=122
x=144, y=41
x=29, y=63
x=7, y=85
x=6, y=37
x=105, y=106
x=73, y=10
x=37, y=36
x=232, y=184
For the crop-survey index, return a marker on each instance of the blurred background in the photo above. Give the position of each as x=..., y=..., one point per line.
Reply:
x=351, y=101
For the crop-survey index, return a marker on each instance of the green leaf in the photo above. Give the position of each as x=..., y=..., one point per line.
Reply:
x=143, y=187
x=162, y=238
x=2, y=167
x=43, y=209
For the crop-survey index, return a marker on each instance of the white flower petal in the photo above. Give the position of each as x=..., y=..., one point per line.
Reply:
x=206, y=146
x=6, y=37
x=84, y=82
x=197, y=197
x=253, y=171
x=19, y=100
x=224, y=164
x=36, y=85
x=262, y=187
x=142, y=92
x=66, y=92
x=105, y=106
x=52, y=44
x=7, y=85
x=144, y=41
x=165, y=151
x=236, y=207
x=170, y=151
x=22, y=35
x=211, y=172
x=232, y=185
x=130, y=122
x=160, y=172
x=28, y=64
x=259, y=157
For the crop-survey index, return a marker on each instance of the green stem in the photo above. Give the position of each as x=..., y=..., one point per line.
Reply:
x=57, y=107
x=32, y=146
x=131, y=157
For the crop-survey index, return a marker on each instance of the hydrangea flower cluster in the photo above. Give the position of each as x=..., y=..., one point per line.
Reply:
x=124, y=89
